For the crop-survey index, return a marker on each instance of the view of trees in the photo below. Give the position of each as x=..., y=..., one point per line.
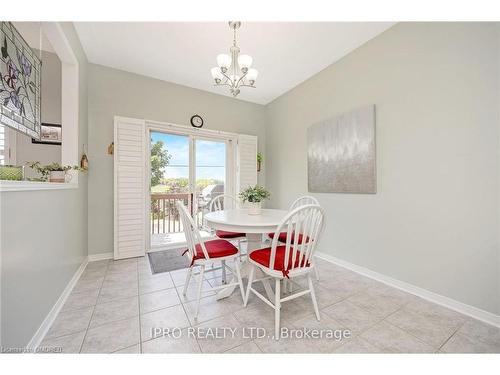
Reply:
x=162, y=184
x=160, y=158
x=180, y=185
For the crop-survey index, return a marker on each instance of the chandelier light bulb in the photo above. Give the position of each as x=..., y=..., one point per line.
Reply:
x=234, y=70
x=245, y=62
x=224, y=61
x=217, y=74
x=252, y=75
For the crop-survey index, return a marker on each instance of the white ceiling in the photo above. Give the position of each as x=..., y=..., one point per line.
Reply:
x=285, y=54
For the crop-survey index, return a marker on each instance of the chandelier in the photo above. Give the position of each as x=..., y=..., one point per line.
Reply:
x=234, y=70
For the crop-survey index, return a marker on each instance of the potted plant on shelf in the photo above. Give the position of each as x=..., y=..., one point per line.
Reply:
x=254, y=195
x=54, y=172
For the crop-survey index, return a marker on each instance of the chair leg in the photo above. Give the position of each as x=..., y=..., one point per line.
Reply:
x=277, y=309
x=198, y=295
x=188, y=279
x=313, y=296
x=249, y=286
x=240, y=281
x=316, y=271
x=223, y=271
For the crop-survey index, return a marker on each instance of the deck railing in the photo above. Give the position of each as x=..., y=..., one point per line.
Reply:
x=164, y=213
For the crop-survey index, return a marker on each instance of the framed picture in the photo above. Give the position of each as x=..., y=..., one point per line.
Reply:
x=50, y=134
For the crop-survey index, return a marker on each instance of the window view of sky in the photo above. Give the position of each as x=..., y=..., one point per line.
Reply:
x=210, y=157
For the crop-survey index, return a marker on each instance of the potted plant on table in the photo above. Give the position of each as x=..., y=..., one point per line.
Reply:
x=54, y=172
x=254, y=195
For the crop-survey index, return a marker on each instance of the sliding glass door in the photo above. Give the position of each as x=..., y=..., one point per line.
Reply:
x=209, y=173
x=183, y=168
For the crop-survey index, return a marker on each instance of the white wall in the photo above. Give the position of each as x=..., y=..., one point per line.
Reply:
x=114, y=92
x=43, y=239
x=434, y=221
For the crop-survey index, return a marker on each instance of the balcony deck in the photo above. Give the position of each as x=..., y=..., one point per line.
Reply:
x=166, y=228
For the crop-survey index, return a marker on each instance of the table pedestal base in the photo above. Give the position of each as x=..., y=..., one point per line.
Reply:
x=254, y=243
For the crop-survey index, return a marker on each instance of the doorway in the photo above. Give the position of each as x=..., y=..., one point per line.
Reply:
x=135, y=212
x=189, y=168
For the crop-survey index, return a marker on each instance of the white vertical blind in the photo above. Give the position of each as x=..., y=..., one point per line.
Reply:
x=3, y=148
x=246, y=162
x=130, y=188
x=7, y=146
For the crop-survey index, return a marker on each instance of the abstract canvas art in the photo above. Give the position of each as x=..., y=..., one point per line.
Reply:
x=341, y=153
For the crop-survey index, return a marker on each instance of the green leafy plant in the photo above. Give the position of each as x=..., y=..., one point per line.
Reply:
x=254, y=194
x=45, y=170
x=259, y=157
x=160, y=158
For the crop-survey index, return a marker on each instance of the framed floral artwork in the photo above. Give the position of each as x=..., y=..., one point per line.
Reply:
x=20, y=76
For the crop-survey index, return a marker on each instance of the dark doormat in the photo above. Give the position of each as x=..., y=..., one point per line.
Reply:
x=168, y=260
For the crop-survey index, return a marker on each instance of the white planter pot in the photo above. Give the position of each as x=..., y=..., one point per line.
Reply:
x=254, y=208
x=59, y=176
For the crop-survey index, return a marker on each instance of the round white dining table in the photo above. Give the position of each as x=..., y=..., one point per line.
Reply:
x=241, y=221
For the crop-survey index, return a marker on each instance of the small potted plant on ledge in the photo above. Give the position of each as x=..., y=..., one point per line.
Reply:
x=254, y=195
x=54, y=172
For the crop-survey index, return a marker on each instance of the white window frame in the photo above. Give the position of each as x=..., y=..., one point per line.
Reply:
x=69, y=112
x=206, y=134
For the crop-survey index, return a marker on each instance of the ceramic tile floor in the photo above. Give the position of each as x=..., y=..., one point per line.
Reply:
x=115, y=305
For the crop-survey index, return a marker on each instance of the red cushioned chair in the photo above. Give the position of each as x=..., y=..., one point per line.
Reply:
x=282, y=237
x=217, y=204
x=206, y=253
x=291, y=259
x=301, y=201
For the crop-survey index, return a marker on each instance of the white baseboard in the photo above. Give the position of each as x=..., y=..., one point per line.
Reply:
x=51, y=316
x=450, y=303
x=101, y=256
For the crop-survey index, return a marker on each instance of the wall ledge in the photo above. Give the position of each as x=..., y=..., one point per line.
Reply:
x=6, y=186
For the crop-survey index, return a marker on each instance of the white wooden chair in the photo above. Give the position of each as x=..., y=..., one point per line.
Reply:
x=218, y=203
x=206, y=253
x=291, y=259
x=301, y=201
